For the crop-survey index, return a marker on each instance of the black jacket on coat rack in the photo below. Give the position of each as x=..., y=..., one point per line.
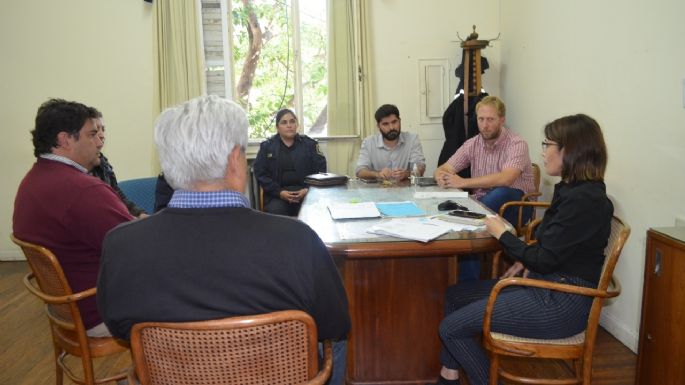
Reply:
x=453, y=118
x=455, y=132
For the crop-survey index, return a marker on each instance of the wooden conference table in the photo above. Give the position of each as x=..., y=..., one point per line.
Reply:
x=395, y=287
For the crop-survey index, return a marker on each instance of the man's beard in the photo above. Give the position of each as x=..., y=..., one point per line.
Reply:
x=391, y=135
x=492, y=135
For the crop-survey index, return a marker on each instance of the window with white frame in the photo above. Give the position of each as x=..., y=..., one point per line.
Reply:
x=268, y=55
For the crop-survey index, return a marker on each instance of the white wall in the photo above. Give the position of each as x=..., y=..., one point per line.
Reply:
x=404, y=32
x=623, y=63
x=98, y=52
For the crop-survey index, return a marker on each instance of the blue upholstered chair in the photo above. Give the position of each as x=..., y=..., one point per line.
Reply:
x=141, y=192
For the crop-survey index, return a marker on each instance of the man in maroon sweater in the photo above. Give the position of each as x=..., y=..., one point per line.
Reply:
x=59, y=206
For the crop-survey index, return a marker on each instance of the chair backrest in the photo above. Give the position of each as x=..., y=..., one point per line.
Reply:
x=617, y=239
x=141, y=192
x=52, y=282
x=536, y=176
x=274, y=348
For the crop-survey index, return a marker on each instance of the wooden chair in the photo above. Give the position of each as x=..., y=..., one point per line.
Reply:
x=522, y=229
x=519, y=226
x=526, y=230
x=577, y=348
x=68, y=333
x=274, y=348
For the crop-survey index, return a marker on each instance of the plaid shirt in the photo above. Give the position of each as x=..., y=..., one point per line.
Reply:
x=185, y=199
x=508, y=151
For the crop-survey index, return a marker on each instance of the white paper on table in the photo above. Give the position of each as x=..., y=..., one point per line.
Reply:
x=353, y=210
x=352, y=230
x=440, y=194
x=418, y=229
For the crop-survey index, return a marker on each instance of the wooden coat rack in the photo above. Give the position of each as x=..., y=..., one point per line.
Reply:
x=472, y=80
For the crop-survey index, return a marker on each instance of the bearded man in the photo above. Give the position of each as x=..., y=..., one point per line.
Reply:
x=390, y=154
x=501, y=170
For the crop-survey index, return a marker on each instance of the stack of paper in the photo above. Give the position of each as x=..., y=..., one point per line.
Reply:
x=418, y=229
x=353, y=210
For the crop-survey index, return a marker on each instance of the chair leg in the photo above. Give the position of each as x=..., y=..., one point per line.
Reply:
x=494, y=369
x=581, y=376
x=88, y=371
x=585, y=373
x=59, y=373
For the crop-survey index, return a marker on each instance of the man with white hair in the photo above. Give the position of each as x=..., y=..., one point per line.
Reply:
x=205, y=256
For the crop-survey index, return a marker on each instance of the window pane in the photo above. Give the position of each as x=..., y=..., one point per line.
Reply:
x=263, y=60
x=314, y=40
x=263, y=56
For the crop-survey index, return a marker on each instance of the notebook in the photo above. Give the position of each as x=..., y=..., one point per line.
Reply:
x=353, y=210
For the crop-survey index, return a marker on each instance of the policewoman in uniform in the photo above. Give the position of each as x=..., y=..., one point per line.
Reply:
x=282, y=163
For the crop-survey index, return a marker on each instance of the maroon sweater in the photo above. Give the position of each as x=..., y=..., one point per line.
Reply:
x=69, y=212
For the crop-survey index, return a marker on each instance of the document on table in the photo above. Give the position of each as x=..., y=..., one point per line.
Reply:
x=399, y=209
x=353, y=210
x=441, y=194
x=418, y=229
x=351, y=230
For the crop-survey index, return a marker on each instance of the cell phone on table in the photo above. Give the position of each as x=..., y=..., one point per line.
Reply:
x=466, y=214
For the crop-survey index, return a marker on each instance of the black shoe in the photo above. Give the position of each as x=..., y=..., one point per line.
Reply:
x=443, y=381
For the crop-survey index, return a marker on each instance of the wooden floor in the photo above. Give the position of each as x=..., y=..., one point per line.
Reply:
x=26, y=356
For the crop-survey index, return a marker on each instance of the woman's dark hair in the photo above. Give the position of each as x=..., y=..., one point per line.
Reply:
x=585, y=153
x=55, y=116
x=282, y=112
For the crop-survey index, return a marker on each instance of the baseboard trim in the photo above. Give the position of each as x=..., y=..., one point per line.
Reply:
x=618, y=329
x=12, y=255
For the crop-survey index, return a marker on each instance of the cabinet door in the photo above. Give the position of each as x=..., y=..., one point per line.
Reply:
x=662, y=352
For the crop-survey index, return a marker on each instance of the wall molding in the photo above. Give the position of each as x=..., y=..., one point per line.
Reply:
x=620, y=330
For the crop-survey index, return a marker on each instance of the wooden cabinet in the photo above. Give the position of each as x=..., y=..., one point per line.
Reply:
x=661, y=358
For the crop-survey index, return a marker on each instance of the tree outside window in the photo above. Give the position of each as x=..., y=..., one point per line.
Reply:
x=278, y=50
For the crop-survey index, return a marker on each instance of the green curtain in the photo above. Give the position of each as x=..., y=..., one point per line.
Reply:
x=179, y=56
x=349, y=81
x=341, y=88
x=178, y=52
x=367, y=103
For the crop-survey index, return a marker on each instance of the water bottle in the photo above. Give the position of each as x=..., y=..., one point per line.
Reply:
x=392, y=179
x=414, y=175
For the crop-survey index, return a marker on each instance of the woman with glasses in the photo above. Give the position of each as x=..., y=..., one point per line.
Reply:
x=569, y=249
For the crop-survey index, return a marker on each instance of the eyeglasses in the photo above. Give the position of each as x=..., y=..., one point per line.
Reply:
x=547, y=144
